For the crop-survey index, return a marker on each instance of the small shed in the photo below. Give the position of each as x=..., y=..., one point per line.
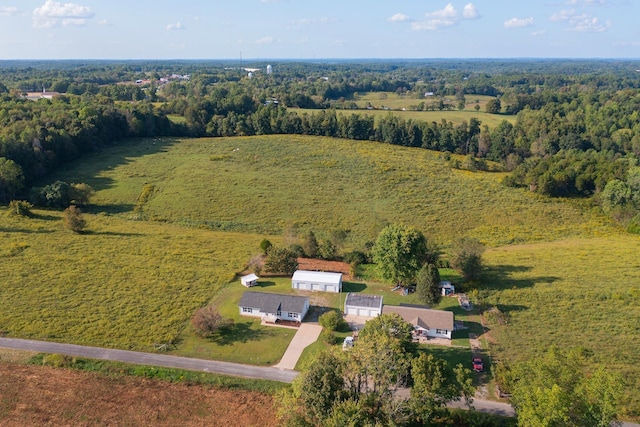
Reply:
x=317, y=281
x=447, y=288
x=363, y=305
x=249, y=280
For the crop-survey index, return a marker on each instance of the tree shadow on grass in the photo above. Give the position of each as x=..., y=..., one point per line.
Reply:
x=264, y=284
x=353, y=287
x=111, y=233
x=238, y=332
x=24, y=230
x=109, y=209
x=499, y=277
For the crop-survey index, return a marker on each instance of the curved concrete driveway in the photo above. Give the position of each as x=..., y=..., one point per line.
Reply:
x=153, y=359
x=306, y=335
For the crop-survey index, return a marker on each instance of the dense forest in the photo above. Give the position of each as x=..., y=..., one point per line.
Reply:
x=573, y=128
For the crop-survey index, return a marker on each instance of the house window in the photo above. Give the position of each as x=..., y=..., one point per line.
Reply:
x=247, y=310
x=293, y=315
x=442, y=331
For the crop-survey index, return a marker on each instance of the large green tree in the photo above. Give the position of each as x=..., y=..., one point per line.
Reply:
x=557, y=389
x=466, y=257
x=428, y=285
x=11, y=179
x=399, y=252
x=360, y=387
x=281, y=260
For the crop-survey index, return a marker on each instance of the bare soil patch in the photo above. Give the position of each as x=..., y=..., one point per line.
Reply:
x=42, y=396
x=321, y=265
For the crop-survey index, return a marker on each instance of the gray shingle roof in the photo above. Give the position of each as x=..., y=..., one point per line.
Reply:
x=363, y=300
x=270, y=303
x=423, y=317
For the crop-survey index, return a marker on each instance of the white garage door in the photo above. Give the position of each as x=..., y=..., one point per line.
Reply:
x=352, y=311
x=364, y=312
x=318, y=287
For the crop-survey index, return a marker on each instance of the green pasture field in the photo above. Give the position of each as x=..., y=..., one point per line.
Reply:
x=123, y=284
x=399, y=100
x=268, y=184
x=576, y=293
x=454, y=116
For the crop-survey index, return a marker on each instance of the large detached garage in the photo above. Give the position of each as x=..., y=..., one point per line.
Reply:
x=317, y=281
x=363, y=305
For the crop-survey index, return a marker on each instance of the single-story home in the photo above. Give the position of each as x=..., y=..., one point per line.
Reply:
x=273, y=307
x=317, y=281
x=426, y=322
x=447, y=288
x=249, y=280
x=363, y=305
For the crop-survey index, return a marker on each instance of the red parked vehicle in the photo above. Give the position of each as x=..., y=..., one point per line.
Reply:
x=478, y=365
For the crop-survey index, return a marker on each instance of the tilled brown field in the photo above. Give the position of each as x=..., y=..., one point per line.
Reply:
x=42, y=396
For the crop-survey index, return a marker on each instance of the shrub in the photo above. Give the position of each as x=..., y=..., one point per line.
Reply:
x=331, y=320
x=207, y=321
x=57, y=361
x=73, y=219
x=265, y=245
x=20, y=208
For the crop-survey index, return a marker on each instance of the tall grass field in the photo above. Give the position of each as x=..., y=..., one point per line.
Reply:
x=174, y=220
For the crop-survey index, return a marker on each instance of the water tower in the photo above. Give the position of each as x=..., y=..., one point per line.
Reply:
x=269, y=69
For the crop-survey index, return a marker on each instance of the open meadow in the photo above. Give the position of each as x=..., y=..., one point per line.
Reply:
x=269, y=184
x=174, y=220
x=455, y=116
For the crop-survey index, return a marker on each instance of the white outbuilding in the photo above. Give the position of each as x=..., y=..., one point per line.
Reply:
x=249, y=280
x=363, y=305
x=317, y=281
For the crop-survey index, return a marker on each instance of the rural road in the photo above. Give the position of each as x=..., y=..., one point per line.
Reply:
x=226, y=368
x=139, y=358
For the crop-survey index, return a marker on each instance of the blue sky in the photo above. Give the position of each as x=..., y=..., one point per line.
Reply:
x=307, y=29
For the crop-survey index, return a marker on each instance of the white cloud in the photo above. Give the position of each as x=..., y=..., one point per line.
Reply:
x=105, y=23
x=580, y=22
x=8, y=10
x=265, y=40
x=539, y=33
x=518, y=22
x=443, y=18
x=177, y=26
x=470, y=12
x=52, y=13
x=398, y=17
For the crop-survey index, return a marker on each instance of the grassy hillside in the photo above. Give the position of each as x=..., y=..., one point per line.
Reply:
x=125, y=284
x=266, y=184
x=563, y=274
x=571, y=294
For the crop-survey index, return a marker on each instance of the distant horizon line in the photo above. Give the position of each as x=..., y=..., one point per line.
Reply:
x=412, y=59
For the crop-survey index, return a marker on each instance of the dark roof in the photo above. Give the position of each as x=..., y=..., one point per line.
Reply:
x=270, y=303
x=363, y=300
x=425, y=318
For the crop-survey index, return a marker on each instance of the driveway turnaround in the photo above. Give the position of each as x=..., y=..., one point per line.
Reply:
x=307, y=334
x=153, y=359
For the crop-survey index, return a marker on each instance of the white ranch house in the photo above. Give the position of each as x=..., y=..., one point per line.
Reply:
x=317, y=281
x=426, y=322
x=273, y=307
x=363, y=305
x=249, y=280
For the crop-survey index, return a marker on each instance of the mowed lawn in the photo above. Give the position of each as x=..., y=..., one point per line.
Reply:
x=577, y=293
x=269, y=184
x=124, y=284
